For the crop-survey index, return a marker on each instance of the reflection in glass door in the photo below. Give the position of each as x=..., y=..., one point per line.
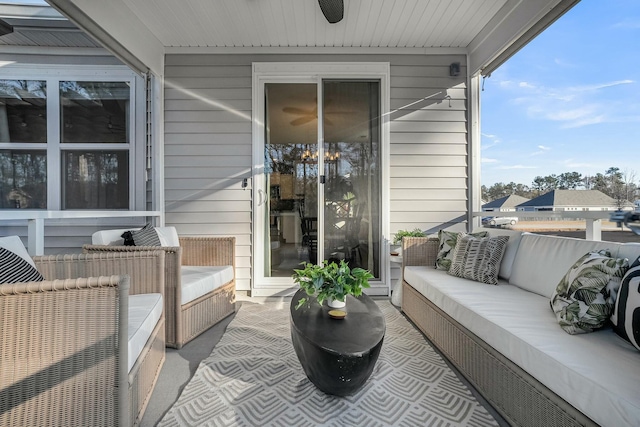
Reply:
x=348, y=190
x=352, y=193
x=291, y=174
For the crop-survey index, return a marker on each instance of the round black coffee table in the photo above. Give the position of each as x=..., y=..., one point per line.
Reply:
x=338, y=356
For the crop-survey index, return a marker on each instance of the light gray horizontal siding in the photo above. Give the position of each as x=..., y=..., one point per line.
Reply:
x=208, y=143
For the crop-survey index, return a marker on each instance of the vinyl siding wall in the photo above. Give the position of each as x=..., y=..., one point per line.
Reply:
x=208, y=144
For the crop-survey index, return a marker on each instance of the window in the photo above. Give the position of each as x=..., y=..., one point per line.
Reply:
x=67, y=143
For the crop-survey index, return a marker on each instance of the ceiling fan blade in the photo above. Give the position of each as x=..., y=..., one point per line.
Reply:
x=295, y=110
x=302, y=120
x=333, y=10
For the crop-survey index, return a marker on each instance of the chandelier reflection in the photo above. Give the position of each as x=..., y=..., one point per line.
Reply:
x=329, y=156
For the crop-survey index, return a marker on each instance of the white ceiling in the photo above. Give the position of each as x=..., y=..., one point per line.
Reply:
x=300, y=23
x=142, y=32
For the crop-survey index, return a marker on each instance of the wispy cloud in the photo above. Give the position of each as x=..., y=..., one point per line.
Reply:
x=541, y=150
x=489, y=140
x=488, y=160
x=571, y=163
x=628, y=24
x=572, y=106
x=507, y=167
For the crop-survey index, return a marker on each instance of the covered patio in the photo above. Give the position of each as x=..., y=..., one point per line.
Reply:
x=304, y=140
x=201, y=156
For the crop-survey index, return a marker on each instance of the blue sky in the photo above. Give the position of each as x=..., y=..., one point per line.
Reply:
x=569, y=101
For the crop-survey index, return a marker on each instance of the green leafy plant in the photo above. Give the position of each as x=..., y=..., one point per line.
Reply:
x=331, y=280
x=404, y=233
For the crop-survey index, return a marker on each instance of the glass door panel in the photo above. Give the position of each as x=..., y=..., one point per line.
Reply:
x=291, y=175
x=318, y=202
x=352, y=159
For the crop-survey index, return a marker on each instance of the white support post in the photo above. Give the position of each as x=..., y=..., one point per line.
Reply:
x=35, y=242
x=594, y=229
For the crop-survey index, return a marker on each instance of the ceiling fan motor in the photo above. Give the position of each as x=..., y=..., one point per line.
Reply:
x=333, y=10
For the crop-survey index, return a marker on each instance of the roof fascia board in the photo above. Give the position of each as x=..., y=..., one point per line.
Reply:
x=56, y=51
x=30, y=11
x=316, y=50
x=517, y=23
x=113, y=25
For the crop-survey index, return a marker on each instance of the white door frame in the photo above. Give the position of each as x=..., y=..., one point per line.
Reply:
x=312, y=72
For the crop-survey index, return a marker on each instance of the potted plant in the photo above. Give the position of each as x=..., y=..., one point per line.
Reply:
x=331, y=281
x=397, y=240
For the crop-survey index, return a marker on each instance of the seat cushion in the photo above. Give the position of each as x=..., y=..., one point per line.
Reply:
x=144, y=312
x=598, y=373
x=168, y=237
x=200, y=280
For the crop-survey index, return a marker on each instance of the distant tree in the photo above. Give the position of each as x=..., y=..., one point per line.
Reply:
x=616, y=184
x=599, y=182
x=570, y=180
x=538, y=184
x=551, y=182
x=630, y=187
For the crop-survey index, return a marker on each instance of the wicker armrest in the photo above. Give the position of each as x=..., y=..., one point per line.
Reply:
x=419, y=251
x=64, y=345
x=208, y=251
x=145, y=268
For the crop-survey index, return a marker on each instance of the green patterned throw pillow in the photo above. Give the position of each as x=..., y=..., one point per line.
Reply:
x=448, y=240
x=478, y=258
x=582, y=300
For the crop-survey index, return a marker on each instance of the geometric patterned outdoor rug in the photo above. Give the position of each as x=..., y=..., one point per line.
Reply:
x=253, y=378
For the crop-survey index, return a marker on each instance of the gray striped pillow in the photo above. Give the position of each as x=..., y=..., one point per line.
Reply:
x=146, y=236
x=14, y=268
x=478, y=258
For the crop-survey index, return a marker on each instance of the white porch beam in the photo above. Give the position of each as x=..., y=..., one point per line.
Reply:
x=113, y=25
x=593, y=229
x=516, y=24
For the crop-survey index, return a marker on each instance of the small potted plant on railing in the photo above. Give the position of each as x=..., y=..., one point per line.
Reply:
x=331, y=281
x=397, y=240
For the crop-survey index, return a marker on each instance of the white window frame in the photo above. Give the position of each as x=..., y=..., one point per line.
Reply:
x=52, y=75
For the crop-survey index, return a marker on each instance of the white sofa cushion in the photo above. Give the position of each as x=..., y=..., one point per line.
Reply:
x=598, y=373
x=200, y=280
x=168, y=236
x=144, y=312
x=541, y=261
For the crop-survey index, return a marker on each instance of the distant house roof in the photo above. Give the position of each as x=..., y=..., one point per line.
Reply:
x=505, y=202
x=573, y=198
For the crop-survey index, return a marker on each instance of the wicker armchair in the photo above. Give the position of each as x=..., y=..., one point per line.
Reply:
x=186, y=321
x=64, y=342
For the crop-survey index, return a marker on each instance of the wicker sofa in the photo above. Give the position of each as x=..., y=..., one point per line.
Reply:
x=67, y=343
x=506, y=340
x=205, y=264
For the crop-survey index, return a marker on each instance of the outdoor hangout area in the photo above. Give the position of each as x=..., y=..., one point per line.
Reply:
x=274, y=213
x=481, y=336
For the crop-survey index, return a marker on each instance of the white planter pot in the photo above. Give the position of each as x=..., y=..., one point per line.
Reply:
x=335, y=303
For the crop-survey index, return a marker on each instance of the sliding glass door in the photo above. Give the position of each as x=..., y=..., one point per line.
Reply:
x=318, y=196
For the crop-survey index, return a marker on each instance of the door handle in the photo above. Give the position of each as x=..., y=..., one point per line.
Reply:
x=261, y=198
